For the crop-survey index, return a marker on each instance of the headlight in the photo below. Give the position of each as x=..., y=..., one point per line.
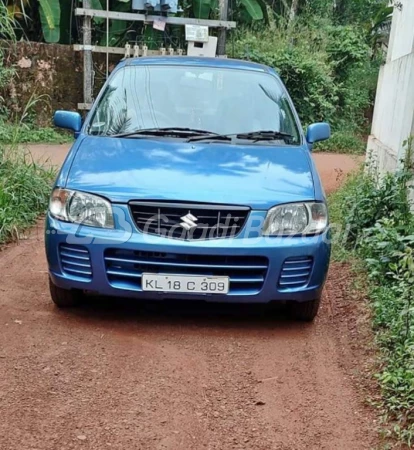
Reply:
x=82, y=208
x=296, y=218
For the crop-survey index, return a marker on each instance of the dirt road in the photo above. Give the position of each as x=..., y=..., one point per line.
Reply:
x=115, y=375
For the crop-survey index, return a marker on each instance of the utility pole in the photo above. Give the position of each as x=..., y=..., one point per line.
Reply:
x=221, y=44
x=87, y=57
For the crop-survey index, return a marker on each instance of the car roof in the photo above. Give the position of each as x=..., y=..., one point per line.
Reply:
x=194, y=61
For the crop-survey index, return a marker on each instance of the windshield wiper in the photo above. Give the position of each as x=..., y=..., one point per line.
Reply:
x=214, y=136
x=265, y=135
x=261, y=135
x=168, y=131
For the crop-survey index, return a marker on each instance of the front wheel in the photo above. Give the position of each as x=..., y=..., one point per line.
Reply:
x=64, y=298
x=305, y=311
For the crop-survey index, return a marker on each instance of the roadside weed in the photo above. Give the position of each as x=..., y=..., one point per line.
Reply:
x=376, y=214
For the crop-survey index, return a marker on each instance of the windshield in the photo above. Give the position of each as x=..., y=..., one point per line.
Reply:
x=223, y=101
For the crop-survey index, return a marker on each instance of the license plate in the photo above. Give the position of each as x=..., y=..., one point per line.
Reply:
x=185, y=284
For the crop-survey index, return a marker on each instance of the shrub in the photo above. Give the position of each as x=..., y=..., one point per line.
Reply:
x=383, y=245
x=24, y=191
x=24, y=184
x=304, y=68
x=29, y=133
x=328, y=69
x=343, y=141
x=369, y=199
x=7, y=32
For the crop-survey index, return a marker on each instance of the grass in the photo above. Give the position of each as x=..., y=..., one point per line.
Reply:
x=24, y=130
x=24, y=184
x=341, y=252
x=343, y=141
x=24, y=191
x=30, y=134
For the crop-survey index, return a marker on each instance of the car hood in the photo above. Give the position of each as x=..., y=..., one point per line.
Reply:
x=258, y=176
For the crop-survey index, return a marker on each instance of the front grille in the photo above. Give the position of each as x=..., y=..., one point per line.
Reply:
x=124, y=268
x=295, y=272
x=189, y=221
x=75, y=260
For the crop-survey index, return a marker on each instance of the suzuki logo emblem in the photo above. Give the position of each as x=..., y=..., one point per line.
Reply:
x=188, y=222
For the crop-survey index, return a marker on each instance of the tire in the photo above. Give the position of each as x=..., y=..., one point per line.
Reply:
x=64, y=298
x=305, y=311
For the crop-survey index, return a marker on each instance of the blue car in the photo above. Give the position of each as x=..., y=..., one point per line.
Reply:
x=191, y=178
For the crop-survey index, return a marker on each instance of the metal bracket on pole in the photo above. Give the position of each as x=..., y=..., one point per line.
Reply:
x=85, y=106
x=135, y=17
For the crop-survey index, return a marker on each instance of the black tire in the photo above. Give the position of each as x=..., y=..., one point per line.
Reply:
x=305, y=311
x=64, y=298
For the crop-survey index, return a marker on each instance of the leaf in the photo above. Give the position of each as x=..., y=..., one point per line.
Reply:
x=50, y=19
x=202, y=8
x=152, y=37
x=117, y=28
x=96, y=4
x=65, y=21
x=383, y=15
x=253, y=8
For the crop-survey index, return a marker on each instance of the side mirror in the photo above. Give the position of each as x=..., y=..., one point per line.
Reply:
x=318, y=132
x=69, y=120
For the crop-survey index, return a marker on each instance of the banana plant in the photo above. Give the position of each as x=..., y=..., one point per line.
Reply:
x=50, y=18
x=203, y=8
x=253, y=9
x=49, y=11
x=56, y=24
x=117, y=28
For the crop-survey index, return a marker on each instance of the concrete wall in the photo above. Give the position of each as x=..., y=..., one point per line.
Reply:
x=393, y=120
x=49, y=70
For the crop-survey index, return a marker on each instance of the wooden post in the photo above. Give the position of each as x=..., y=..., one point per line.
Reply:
x=221, y=44
x=87, y=57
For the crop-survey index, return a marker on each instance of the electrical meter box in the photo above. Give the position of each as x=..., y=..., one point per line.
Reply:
x=207, y=49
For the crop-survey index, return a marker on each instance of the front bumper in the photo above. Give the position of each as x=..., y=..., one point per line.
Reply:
x=97, y=244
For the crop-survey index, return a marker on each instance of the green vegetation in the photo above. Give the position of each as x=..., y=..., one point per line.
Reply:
x=343, y=141
x=23, y=129
x=7, y=31
x=48, y=13
x=24, y=191
x=329, y=67
x=327, y=52
x=24, y=184
x=378, y=234
x=30, y=134
x=55, y=22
